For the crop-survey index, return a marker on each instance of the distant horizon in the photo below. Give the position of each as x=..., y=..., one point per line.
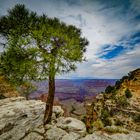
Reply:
x=86, y=78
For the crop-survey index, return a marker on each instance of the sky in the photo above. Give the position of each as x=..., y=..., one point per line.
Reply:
x=111, y=26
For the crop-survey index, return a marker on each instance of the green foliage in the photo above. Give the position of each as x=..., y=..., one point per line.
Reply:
x=98, y=124
x=116, y=129
x=124, y=78
x=128, y=94
x=118, y=122
x=118, y=84
x=110, y=89
x=122, y=101
x=105, y=114
x=37, y=46
x=136, y=118
x=18, y=64
x=2, y=96
x=83, y=118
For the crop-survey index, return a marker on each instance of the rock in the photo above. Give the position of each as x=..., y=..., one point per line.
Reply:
x=33, y=136
x=55, y=134
x=19, y=117
x=117, y=136
x=22, y=119
x=71, y=136
x=71, y=125
x=58, y=111
x=130, y=136
x=96, y=136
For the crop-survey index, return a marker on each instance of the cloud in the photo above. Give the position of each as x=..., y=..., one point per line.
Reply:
x=111, y=27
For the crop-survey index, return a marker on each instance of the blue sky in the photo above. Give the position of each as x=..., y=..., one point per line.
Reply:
x=111, y=26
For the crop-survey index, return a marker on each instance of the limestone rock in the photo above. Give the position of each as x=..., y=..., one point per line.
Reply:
x=19, y=117
x=55, y=134
x=33, y=136
x=71, y=125
x=117, y=136
x=71, y=136
x=57, y=112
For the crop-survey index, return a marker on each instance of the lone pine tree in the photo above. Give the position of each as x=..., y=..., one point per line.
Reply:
x=52, y=46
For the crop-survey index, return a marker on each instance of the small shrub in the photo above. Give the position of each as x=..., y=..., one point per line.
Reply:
x=107, y=122
x=117, y=84
x=2, y=96
x=116, y=129
x=136, y=118
x=124, y=78
x=119, y=123
x=83, y=118
x=128, y=94
x=105, y=113
x=98, y=124
x=110, y=89
x=122, y=101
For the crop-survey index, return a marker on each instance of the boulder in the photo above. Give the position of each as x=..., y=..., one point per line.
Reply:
x=71, y=125
x=20, y=117
x=71, y=136
x=23, y=119
x=55, y=134
x=117, y=136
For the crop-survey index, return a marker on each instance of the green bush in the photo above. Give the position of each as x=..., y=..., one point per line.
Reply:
x=136, y=118
x=105, y=113
x=2, y=96
x=98, y=124
x=116, y=129
x=119, y=122
x=122, y=101
x=117, y=84
x=110, y=89
x=83, y=118
x=128, y=94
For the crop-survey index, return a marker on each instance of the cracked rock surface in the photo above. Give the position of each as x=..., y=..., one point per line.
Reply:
x=22, y=119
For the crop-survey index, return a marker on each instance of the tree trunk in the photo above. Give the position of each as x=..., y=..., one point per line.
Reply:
x=50, y=99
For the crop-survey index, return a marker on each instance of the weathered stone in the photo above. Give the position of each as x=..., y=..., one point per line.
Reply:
x=33, y=136
x=58, y=111
x=19, y=117
x=55, y=134
x=117, y=136
x=71, y=136
x=71, y=125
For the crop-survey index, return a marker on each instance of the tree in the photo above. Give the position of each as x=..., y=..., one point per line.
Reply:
x=110, y=89
x=54, y=48
x=61, y=47
x=18, y=56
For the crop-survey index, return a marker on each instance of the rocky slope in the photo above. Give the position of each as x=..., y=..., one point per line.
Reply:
x=119, y=106
x=22, y=119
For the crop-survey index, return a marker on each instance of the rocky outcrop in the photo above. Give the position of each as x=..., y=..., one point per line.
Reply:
x=22, y=119
x=119, y=105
